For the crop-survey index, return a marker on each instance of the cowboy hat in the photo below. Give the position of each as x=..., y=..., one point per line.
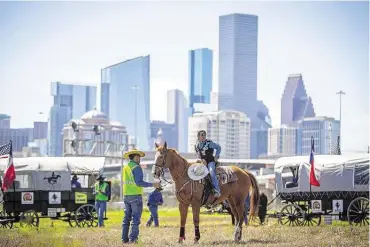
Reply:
x=75, y=177
x=133, y=151
x=197, y=172
x=101, y=177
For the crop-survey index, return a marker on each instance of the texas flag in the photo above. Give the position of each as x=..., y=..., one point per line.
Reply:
x=313, y=179
x=9, y=174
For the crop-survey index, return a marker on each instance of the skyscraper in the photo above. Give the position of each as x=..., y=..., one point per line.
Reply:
x=238, y=36
x=295, y=104
x=70, y=101
x=200, y=76
x=178, y=114
x=40, y=130
x=230, y=129
x=238, y=42
x=125, y=97
x=324, y=130
x=4, y=121
x=163, y=132
x=283, y=141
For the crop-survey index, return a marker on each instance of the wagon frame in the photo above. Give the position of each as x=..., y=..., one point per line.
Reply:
x=43, y=190
x=343, y=193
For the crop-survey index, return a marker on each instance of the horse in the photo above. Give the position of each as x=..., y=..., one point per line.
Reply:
x=262, y=211
x=190, y=192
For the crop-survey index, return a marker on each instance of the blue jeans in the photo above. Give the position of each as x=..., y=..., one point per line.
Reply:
x=100, y=206
x=247, y=205
x=153, y=215
x=133, y=211
x=212, y=171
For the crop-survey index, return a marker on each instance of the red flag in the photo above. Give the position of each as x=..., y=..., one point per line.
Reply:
x=9, y=174
x=313, y=179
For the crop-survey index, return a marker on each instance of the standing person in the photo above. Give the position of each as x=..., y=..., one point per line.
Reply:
x=132, y=176
x=154, y=200
x=101, y=191
x=204, y=150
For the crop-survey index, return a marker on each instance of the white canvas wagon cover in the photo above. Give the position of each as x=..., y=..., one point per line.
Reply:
x=51, y=173
x=334, y=172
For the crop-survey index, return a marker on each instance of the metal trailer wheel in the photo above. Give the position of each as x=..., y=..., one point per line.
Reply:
x=292, y=214
x=29, y=218
x=6, y=222
x=86, y=216
x=358, y=212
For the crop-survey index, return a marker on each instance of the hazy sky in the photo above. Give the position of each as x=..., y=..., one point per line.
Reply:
x=328, y=42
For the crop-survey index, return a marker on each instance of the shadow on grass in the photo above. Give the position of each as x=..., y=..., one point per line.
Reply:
x=244, y=242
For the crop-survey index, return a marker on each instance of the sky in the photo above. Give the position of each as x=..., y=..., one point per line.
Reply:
x=70, y=42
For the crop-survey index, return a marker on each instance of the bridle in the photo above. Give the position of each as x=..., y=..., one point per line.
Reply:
x=161, y=170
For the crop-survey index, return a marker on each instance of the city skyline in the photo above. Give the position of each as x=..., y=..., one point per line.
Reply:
x=329, y=61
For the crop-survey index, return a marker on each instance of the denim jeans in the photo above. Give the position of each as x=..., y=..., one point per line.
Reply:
x=153, y=215
x=133, y=211
x=247, y=205
x=212, y=171
x=100, y=206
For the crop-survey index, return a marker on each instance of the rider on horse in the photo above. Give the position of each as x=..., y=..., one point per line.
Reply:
x=204, y=149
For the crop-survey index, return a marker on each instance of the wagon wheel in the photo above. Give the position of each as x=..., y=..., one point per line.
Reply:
x=358, y=211
x=86, y=215
x=311, y=219
x=72, y=220
x=29, y=218
x=6, y=222
x=291, y=214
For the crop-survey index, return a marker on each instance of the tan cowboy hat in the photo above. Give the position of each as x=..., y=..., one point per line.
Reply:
x=197, y=172
x=133, y=151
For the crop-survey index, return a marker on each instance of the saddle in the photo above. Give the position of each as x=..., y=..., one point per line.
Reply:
x=224, y=175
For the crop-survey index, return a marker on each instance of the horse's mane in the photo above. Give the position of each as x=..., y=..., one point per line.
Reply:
x=174, y=151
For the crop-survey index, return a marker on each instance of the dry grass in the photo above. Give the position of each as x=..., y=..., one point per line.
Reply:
x=216, y=230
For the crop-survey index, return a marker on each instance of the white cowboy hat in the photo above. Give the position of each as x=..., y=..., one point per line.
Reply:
x=197, y=171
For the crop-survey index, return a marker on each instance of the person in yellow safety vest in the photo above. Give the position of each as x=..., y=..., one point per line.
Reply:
x=132, y=176
x=101, y=190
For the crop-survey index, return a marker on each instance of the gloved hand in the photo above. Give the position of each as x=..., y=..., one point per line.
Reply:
x=216, y=159
x=157, y=185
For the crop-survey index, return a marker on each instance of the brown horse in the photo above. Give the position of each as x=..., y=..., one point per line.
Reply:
x=190, y=192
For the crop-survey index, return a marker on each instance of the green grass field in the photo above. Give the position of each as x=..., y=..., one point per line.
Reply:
x=215, y=230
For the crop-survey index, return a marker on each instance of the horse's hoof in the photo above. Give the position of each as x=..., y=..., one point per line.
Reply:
x=181, y=239
x=196, y=241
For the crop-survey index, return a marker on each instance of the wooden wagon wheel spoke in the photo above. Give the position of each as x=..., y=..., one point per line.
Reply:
x=358, y=211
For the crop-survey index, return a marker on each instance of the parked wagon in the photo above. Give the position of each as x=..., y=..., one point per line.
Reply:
x=343, y=192
x=42, y=189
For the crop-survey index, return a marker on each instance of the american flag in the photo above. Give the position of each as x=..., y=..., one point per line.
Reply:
x=5, y=150
x=9, y=173
x=337, y=148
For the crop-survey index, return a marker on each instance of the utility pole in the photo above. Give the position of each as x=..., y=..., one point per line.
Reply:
x=135, y=88
x=340, y=114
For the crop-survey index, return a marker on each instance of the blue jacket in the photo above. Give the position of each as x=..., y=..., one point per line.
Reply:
x=137, y=172
x=75, y=184
x=155, y=198
x=211, y=145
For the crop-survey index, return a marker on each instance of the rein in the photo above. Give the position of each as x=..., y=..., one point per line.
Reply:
x=191, y=182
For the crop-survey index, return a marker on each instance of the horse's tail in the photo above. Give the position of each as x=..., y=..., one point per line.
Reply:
x=254, y=197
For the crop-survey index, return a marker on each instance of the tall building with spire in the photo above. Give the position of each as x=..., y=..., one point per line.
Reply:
x=295, y=103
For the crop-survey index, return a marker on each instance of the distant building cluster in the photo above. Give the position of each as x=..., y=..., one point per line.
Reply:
x=106, y=119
